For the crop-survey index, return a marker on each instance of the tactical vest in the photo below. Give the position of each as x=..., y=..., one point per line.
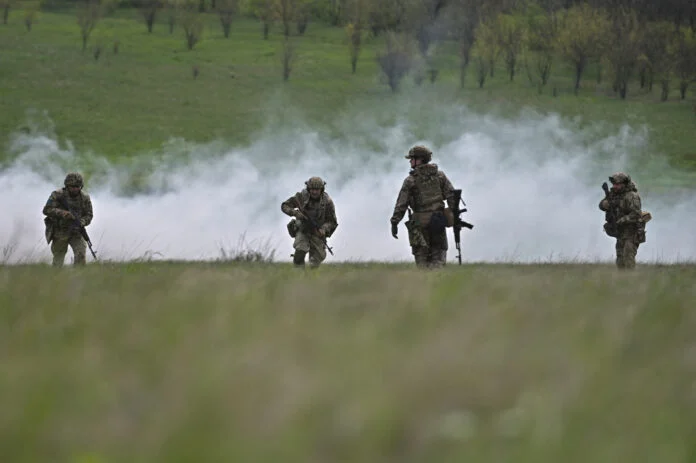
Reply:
x=428, y=192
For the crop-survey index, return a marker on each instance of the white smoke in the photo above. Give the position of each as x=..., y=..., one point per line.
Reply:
x=531, y=184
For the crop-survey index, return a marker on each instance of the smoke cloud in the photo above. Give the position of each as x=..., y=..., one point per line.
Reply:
x=531, y=184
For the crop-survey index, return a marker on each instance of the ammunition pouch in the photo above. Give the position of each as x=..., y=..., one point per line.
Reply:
x=449, y=217
x=611, y=229
x=433, y=222
x=640, y=235
x=415, y=234
x=48, y=222
x=292, y=227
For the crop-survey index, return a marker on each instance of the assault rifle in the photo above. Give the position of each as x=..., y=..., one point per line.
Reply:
x=78, y=225
x=315, y=227
x=458, y=222
x=610, y=227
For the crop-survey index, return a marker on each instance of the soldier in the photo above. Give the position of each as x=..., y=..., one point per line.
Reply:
x=425, y=190
x=625, y=220
x=314, y=220
x=64, y=210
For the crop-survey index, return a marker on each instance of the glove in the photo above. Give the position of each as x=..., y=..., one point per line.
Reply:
x=299, y=215
x=68, y=215
x=395, y=230
x=321, y=233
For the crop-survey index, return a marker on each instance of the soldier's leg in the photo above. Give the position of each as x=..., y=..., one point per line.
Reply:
x=421, y=255
x=630, y=250
x=301, y=246
x=620, y=252
x=438, y=249
x=317, y=253
x=79, y=247
x=59, y=247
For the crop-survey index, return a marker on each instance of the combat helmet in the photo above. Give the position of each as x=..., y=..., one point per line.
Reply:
x=620, y=177
x=420, y=152
x=315, y=182
x=73, y=179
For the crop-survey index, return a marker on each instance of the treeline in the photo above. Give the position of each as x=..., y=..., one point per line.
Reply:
x=646, y=41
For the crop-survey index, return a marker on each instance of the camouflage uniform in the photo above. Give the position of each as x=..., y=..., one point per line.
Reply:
x=424, y=191
x=624, y=219
x=61, y=229
x=307, y=240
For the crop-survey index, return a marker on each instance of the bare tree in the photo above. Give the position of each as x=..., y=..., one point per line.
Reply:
x=267, y=12
x=463, y=18
x=31, y=11
x=88, y=14
x=357, y=14
x=686, y=60
x=5, y=5
x=227, y=9
x=192, y=23
x=148, y=9
x=395, y=60
x=288, y=57
x=541, y=39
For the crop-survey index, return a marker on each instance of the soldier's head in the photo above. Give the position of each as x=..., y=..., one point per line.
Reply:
x=315, y=186
x=419, y=154
x=619, y=181
x=73, y=183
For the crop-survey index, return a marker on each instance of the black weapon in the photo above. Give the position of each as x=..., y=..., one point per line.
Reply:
x=610, y=220
x=78, y=225
x=315, y=227
x=458, y=222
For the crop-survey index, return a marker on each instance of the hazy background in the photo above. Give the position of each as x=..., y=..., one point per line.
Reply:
x=531, y=183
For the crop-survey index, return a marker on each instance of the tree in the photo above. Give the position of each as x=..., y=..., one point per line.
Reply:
x=624, y=50
x=510, y=35
x=655, y=53
x=5, y=5
x=191, y=21
x=487, y=46
x=266, y=11
x=395, y=59
x=685, y=60
x=541, y=38
x=226, y=10
x=357, y=14
x=88, y=14
x=149, y=8
x=464, y=17
x=582, y=34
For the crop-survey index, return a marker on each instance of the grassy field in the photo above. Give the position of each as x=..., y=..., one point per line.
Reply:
x=150, y=362
x=127, y=103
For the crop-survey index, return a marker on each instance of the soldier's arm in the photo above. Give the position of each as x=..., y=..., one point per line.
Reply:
x=289, y=205
x=330, y=222
x=87, y=212
x=53, y=208
x=447, y=191
x=604, y=205
x=632, y=212
x=401, y=202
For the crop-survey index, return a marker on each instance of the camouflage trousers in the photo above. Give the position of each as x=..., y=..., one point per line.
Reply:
x=308, y=243
x=429, y=248
x=59, y=247
x=626, y=250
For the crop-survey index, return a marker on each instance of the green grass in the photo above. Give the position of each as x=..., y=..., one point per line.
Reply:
x=150, y=362
x=130, y=102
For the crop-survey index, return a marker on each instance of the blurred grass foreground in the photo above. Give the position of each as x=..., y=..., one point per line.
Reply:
x=168, y=362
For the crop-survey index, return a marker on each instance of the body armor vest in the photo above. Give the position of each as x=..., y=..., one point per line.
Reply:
x=428, y=195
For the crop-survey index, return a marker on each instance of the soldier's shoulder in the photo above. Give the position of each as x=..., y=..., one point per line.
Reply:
x=56, y=194
x=85, y=196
